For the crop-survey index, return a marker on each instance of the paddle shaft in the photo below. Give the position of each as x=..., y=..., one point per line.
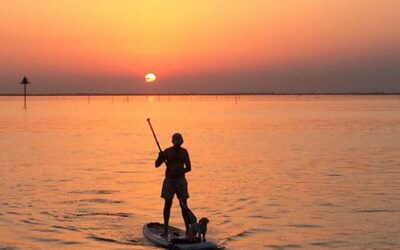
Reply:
x=155, y=138
x=154, y=134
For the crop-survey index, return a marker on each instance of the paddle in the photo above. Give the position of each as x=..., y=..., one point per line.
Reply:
x=187, y=214
x=155, y=137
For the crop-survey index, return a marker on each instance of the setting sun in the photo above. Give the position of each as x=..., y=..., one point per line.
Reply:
x=150, y=77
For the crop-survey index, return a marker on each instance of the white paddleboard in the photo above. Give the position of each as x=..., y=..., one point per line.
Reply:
x=152, y=231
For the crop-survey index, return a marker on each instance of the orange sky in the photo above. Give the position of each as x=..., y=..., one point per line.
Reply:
x=175, y=39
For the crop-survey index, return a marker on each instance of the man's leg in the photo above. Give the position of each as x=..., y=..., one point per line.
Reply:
x=184, y=207
x=167, y=212
x=183, y=195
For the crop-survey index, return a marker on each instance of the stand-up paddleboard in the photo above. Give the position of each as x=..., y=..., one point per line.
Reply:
x=176, y=240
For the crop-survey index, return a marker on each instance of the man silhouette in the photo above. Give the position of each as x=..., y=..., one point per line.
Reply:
x=178, y=164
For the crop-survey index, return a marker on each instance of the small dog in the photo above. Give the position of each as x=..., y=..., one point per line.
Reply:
x=199, y=230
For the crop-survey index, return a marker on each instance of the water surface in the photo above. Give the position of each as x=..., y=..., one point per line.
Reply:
x=270, y=172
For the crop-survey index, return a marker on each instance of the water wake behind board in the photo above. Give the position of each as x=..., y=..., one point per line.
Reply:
x=152, y=231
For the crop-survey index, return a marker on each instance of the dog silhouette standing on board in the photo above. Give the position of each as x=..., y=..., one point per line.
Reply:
x=178, y=164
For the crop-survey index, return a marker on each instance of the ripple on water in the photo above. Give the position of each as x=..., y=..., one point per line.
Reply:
x=304, y=225
x=376, y=211
x=225, y=222
x=284, y=247
x=327, y=204
x=247, y=233
x=101, y=191
x=236, y=207
x=330, y=244
x=125, y=172
x=261, y=230
x=93, y=200
x=242, y=234
x=58, y=241
x=262, y=217
x=334, y=175
x=109, y=240
x=3, y=247
x=31, y=221
x=14, y=213
x=48, y=213
x=44, y=230
x=69, y=228
x=64, y=180
x=273, y=205
x=104, y=214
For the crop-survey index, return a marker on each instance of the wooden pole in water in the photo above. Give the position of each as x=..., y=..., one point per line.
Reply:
x=25, y=82
x=24, y=96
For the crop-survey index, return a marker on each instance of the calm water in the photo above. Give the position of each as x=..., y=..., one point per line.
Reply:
x=309, y=172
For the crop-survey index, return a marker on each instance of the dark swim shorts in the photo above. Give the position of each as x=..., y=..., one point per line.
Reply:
x=172, y=186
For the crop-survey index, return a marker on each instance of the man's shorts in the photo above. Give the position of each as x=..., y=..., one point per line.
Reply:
x=172, y=186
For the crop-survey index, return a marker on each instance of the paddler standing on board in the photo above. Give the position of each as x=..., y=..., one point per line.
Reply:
x=178, y=164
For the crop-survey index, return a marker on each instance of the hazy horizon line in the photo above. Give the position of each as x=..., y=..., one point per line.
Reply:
x=203, y=94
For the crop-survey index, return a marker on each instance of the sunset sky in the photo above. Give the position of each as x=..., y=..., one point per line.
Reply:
x=102, y=46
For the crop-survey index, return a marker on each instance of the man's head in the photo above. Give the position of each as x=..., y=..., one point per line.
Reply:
x=177, y=139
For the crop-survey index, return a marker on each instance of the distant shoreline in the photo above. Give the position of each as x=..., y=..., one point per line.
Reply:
x=210, y=94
